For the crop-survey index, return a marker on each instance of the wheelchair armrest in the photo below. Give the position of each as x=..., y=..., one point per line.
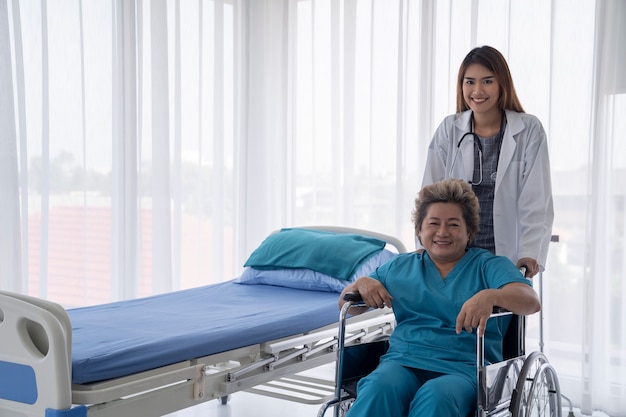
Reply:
x=355, y=297
x=499, y=312
x=352, y=300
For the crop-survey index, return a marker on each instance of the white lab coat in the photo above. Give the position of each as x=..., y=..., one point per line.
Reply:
x=523, y=208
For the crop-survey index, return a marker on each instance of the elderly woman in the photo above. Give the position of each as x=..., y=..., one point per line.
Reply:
x=438, y=297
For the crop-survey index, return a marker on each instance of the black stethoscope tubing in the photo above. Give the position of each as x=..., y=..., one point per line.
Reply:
x=479, y=145
x=480, y=155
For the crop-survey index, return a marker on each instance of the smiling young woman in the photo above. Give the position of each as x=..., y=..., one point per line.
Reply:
x=503, y=153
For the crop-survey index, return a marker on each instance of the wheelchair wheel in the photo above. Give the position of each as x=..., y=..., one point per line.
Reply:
x=345, y=406
x=537, y=393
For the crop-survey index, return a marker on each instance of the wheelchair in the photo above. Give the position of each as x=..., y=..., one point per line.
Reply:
x=519, y=386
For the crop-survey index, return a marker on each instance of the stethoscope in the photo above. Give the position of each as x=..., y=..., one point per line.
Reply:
x=479, y=145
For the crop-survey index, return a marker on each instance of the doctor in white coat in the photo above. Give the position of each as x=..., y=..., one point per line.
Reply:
x=503, y=152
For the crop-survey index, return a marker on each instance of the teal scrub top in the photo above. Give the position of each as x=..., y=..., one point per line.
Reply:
x=426, y=307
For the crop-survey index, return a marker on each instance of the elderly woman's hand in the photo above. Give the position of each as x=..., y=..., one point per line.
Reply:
x=475, y=312
x=374, y=293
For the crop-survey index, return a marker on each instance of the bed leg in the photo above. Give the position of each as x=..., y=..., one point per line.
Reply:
x=198, y=384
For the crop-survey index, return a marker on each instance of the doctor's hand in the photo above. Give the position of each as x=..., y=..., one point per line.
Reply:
x=532, y=267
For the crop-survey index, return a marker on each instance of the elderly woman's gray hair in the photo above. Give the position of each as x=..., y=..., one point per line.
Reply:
x=448, y=191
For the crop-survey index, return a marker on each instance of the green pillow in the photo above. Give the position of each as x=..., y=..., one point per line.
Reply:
x=334, y=254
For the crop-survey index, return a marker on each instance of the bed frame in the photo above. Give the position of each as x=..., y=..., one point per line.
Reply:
x=36, y=381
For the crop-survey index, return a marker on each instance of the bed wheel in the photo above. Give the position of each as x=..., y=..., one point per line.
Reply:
x=224, y=399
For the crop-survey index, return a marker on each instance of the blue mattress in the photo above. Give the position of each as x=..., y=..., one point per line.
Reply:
x=123, y=338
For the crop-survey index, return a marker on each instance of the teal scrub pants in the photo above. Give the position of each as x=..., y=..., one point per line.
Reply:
x=393, y=390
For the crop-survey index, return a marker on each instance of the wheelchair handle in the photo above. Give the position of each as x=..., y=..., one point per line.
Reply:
x=354, y=297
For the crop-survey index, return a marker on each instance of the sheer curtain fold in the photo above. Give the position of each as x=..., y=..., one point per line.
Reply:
x=44, y=174
x=219, y=102
x=21, y=137
x=177, y=147
x=126, y=117
x=346, y=117
x=206, y=125
x=266, y=151
x=10, y=245
x=604, y=380
x=161, y=167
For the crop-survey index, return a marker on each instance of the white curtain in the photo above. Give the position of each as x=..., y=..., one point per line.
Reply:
x=148, y=146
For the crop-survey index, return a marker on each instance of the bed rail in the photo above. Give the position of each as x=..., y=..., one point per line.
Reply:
x=36, y=345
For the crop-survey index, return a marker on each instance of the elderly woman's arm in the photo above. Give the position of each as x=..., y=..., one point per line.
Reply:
x=515, y=297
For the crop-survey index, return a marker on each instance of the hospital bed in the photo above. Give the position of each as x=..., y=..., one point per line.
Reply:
x=155, y=355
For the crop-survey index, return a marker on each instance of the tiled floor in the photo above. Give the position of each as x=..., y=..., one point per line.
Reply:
x=243, y=404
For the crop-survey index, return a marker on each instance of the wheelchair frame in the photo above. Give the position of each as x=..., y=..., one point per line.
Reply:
x=521, y=386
